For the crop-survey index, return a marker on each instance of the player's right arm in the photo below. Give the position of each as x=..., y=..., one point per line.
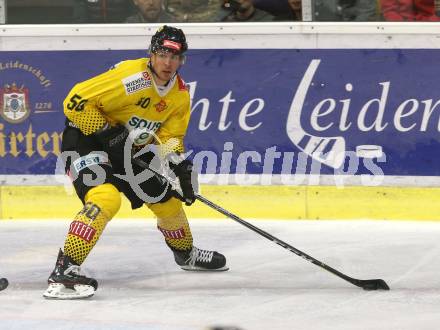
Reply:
x=84, y=105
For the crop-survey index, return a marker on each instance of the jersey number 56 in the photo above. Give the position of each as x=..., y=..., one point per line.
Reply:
x=76, y=103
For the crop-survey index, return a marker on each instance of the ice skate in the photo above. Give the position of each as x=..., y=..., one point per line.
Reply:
x=200, y=260
x=66, y=282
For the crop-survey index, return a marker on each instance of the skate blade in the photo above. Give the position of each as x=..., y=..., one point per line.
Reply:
x=201, y=269
x=59, y=291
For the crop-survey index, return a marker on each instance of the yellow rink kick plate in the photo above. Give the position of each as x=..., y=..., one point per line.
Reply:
x=248, y=202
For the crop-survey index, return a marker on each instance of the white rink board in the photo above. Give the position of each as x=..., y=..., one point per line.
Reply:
x=282, y=35
x=253, y=179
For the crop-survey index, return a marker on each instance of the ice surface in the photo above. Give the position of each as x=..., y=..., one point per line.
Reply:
x=267, y=286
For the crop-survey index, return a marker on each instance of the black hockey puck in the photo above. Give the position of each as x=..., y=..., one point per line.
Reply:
x=3, y=283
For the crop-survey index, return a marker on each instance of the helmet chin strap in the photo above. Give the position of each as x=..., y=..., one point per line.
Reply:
x=150, y=66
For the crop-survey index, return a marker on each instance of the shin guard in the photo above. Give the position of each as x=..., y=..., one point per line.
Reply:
x=101, y=204
x=172, y=222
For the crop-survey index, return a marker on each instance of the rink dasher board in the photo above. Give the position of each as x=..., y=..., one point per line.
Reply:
x=255, y=35
x=43, y=143
x=46, y=40
x=308, y=36
x=248, y=202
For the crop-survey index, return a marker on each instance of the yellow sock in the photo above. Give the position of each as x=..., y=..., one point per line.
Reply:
x=101, y=204
x=172, y=222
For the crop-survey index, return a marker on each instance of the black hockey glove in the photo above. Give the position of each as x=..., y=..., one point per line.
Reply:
x=113, y=140
x=71, y=136
x=187, y=179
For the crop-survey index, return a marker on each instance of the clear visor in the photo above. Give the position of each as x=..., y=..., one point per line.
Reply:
x=163, y=53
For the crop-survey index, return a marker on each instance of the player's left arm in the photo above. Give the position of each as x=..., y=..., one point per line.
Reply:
x=172, y=147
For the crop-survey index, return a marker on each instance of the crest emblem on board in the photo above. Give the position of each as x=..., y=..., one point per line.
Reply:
x=14, y=103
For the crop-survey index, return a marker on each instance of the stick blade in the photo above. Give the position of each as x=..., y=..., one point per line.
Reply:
x=370, y=285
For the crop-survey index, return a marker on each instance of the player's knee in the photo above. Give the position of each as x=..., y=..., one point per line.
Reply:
x=166, y=209
x=107, y=197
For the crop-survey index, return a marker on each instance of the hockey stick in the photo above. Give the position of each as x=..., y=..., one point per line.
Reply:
x=376, y=284
x=3, y=283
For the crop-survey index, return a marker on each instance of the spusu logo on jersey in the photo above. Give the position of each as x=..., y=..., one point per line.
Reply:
x=142, y=130
x=136, y=82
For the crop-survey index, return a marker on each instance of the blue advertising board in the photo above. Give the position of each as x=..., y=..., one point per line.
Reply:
x=254, y=111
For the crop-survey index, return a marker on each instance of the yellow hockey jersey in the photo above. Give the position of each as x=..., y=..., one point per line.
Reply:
x=128, y=95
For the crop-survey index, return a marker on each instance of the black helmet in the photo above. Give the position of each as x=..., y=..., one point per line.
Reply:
x=170, y=39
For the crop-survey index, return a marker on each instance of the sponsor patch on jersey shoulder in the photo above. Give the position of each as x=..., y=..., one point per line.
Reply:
x=136, y=82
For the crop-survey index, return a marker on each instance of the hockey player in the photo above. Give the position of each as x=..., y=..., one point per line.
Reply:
x=138, y=102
